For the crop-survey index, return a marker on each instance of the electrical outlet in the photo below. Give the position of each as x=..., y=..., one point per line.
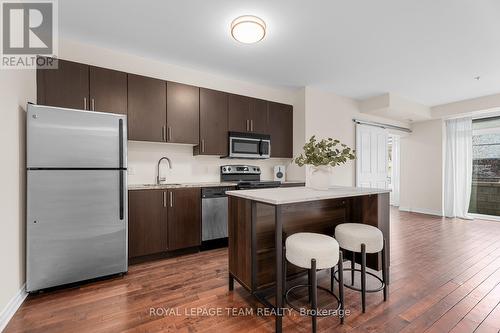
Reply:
x=131, y=171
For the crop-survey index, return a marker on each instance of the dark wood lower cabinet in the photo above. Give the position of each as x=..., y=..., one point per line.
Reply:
x=184, y=218
x=147, y=223
x=163, y=220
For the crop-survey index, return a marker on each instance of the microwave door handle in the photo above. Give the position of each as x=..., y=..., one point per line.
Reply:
x=260, y=147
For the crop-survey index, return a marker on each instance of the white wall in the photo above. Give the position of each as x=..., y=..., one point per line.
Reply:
x=422, y=168
x=331, y=115
x=17, y=87
x=467, y=107
x=144, y=156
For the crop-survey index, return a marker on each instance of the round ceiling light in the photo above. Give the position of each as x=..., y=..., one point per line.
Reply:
x=248, y=29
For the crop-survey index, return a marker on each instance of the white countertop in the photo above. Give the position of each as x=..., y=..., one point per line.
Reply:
x=280, y=196
x=132, y=187
x=179, y=185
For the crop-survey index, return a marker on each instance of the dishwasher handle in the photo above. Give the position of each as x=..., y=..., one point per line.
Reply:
x=214, y=192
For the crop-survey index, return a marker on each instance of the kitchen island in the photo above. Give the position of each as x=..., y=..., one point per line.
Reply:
x=260, y=220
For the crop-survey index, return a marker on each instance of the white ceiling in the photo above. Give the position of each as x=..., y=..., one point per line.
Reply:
x=426, y=50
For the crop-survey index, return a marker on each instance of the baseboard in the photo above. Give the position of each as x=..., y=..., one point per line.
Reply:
x=11, y=307
x=421, y=211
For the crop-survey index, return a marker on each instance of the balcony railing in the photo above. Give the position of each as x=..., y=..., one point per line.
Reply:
x=485, y=198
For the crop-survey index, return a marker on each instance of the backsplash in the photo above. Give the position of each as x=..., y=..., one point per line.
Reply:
x=143, y=158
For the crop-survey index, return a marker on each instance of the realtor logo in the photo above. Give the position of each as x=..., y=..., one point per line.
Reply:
x=28, y=29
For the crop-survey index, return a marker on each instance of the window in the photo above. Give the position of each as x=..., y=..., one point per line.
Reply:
x=485, y=194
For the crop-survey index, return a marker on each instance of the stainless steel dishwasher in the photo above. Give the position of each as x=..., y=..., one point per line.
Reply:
x=214, y=214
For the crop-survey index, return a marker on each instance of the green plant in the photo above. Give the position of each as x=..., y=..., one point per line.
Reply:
x=325, y=152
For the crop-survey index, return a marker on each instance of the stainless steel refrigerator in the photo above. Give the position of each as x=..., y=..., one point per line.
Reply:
x=76, y=196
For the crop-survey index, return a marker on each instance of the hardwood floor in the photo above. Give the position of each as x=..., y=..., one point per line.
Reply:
x=445, y=277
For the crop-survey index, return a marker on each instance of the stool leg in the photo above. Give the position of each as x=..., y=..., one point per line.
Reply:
x=332, y=279
x=314, y=296
x=384, y=270
x=353, y=261
x=341, y=286
x=363, y=277
x=284, y=274
x=309, y=284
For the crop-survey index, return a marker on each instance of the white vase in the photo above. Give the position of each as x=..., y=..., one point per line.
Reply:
x=319, y=177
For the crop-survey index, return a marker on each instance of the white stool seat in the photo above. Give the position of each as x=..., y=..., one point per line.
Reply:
x=302, y=247
x=350, y=236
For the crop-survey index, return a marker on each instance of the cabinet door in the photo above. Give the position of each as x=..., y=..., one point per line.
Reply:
x=213, y=123
x=281, y=129
x=67, y=86
x=183, y=113
x=258, y=116
x=108, y=90
x=184, y=218
x=239, y=113
x=147, y=226
x=147, y=109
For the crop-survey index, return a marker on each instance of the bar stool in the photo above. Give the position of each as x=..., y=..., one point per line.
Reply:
x=313, y=252
x=362, y=238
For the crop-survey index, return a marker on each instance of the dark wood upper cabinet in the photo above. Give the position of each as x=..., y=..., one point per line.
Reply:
x=247, y=114
x=239, y=113
x=213, y=123
x=161, y=111
x=108, y=90
x=184, y=218
x=281, y=129
x=258, y=116
x=147, y=222
x=67, y=86
x=183, y=113
x=147, y=109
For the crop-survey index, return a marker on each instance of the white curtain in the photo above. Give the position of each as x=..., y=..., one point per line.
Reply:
x=458, y=167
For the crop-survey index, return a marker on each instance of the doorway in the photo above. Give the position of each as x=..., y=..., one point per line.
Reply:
x=378, y=152
x=485, y=192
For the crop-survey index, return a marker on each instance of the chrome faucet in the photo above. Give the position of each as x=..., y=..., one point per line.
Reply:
x=158, y=179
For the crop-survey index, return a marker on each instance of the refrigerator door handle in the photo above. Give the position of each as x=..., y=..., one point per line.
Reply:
x=120, y=142
x=120, y=152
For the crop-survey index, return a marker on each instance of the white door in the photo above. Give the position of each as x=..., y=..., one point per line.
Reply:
x=371, y=157
x=395, y=168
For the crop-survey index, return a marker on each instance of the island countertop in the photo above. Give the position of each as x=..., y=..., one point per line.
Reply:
x=281, y=196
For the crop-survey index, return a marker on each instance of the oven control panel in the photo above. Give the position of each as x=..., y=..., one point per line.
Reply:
x=239, y=169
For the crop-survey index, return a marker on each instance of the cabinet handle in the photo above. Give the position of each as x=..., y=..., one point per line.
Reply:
x=164, y=199
x=171, y=198
x=163, y=136
x=248, y=125
x=251, y=125
x=93, y=104
x=202, y=145
x=85, y=103
x=170, y=134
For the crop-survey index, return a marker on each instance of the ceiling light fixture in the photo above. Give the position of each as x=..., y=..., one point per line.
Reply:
x=248, y=29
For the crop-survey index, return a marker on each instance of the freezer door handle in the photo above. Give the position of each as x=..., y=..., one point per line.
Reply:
x=122, y=194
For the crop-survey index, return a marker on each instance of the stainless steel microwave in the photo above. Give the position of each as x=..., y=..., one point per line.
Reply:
x=249, y=145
